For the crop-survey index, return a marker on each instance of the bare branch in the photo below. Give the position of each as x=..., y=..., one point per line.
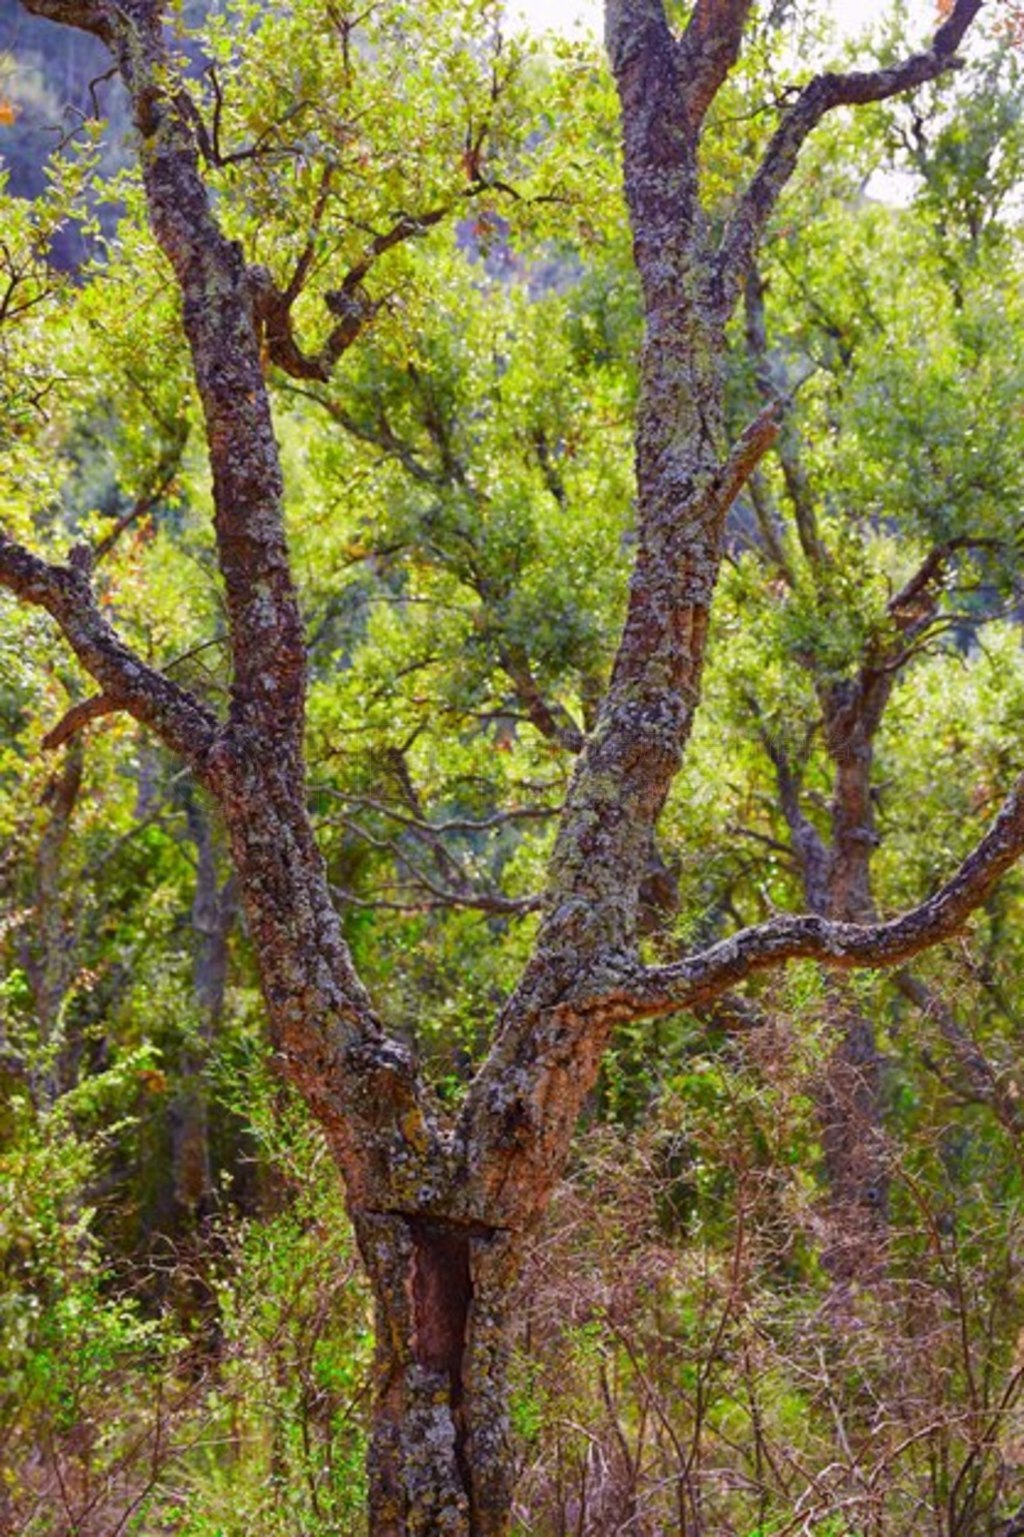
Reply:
x=768, y=526
x=439, y=898
x=806, y=841
x=771, y=384
x=303, y=266
x=450, y=824
x=180, y=719
x=552, y=720
x=378, y=434
x=821, y=95
x=350, y=302
x=981, y=1082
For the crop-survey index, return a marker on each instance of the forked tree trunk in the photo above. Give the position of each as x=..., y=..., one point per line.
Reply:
x=438, y=1208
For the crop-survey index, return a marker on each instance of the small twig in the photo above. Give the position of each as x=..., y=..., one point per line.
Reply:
x=79, y=715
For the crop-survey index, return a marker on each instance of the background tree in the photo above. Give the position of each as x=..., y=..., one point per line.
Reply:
x=928, y=409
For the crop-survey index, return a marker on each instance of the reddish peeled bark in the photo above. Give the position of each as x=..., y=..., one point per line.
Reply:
x=440, y=1451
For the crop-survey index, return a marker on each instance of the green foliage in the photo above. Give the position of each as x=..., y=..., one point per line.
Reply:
x=278, y=1437
x=76, y=1348
x=110, y=1413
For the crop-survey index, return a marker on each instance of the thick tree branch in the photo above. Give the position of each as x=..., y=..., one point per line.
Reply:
x=553, y=721
x=265, y=628
x=821, y=95
x=637, y=32
x=706, y=975
x=95, y=16
x=353, y=307
x=709, y=49
x=181, y=720
x=50, y=937
x=913, y=608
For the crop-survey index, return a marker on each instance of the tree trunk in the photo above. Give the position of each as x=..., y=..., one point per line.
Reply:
x=213, y=911
x=856, y=1156
x=48, y=953
x=850, y=1104
x=440, y=1458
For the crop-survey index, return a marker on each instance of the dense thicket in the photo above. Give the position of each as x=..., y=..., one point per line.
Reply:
x=778, y=1288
